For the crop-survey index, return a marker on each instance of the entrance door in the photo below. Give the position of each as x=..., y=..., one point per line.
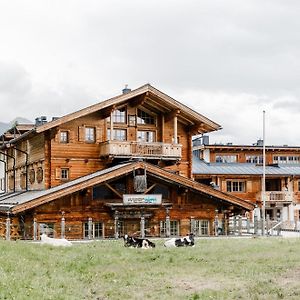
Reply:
x=131, y=227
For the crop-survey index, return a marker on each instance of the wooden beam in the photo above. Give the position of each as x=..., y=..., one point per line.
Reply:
x=172, y=115
x=113, y=190
x=105, y=113
x=139, y=100
x=156, y=105
x=150, y=188
x=199, y=128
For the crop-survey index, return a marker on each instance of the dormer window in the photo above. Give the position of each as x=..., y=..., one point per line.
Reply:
x=145, y=118
x=119, y=115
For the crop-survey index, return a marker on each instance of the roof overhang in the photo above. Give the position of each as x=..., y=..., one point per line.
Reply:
x=32, y=199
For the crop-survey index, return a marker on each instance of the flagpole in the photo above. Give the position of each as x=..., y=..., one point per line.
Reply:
x=264, y=178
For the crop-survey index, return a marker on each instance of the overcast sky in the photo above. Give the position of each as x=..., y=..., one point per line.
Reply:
x=228, y=60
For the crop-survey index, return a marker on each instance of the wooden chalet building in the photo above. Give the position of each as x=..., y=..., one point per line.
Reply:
x=238, y=170
x=124, y=165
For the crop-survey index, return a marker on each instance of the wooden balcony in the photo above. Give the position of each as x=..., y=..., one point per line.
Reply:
x=123, y=149
x=278, y=196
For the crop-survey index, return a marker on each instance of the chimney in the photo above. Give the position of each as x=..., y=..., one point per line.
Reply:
x=126, y=89
x=40, y=120
x=260, y=143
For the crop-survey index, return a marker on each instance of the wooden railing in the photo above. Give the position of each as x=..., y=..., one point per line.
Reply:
x=140, y=149
x=279, y=196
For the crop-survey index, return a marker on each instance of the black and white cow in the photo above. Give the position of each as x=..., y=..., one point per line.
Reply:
x=181, y=242
x=134, y=242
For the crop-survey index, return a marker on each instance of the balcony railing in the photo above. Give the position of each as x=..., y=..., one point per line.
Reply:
x=140, y=149
x=279, y=196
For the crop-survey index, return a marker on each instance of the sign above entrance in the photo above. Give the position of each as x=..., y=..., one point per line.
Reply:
x=136, y=199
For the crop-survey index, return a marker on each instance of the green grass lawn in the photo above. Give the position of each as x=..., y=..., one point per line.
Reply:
x=233, y=268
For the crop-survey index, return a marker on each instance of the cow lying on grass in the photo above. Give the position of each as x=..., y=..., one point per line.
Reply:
x=54, y=242
x=181, y=242
x=137, y=242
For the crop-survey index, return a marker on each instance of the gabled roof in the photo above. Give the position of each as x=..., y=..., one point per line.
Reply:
x=164, y=102
x=28, y=200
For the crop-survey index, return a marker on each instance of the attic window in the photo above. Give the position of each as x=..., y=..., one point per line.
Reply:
x=145, y=118
x=119, y=115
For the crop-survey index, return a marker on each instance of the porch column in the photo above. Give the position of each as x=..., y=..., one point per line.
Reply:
x=240, y=224
x=234, y=225
x=175, y=130
x=142, y=226
x=116, y=225
x=90, y=228
x=168, y=224
x=34, y=229
x=248, y=224
x=103, y=230
x=226, y=223
x=62, y=225
x=7, y=234
x=216, y=222
x=255, y=225
x=111, y=126
x=193, y=225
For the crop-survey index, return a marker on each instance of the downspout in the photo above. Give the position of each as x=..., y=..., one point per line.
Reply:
x=4, y=174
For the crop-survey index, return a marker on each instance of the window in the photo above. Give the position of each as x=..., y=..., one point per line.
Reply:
x=119, y=115
x=64, y=174
x=89, y=134
x=47, y=228
x=96, y=230
x=254, y=159
x=145, y=118
x=119, y=134
x=145, y=136
x=64, y=136
x=236, y=186
x=174, y=228
x=201, y=227
x=131, y=120
x=286, y=159
x=226, y=158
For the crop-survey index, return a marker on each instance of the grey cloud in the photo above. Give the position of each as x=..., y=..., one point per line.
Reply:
x=14, y=80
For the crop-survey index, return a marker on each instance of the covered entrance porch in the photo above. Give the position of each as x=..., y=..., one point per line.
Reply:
x=142, y=221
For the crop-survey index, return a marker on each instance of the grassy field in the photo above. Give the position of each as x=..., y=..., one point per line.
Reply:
x=260, y=268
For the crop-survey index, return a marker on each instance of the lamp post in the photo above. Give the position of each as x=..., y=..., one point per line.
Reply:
x=264, y=179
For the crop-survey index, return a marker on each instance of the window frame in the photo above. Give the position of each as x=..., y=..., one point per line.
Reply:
x=119, y=115
x=226, y=158
x=254, y=159
x=64, y=137
x=115, y=133
x=236, y=186
x=142, y=117
x=65, y=174
x=147, y=133
x=89, y=131
x=97, y=230
x=201, y=227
